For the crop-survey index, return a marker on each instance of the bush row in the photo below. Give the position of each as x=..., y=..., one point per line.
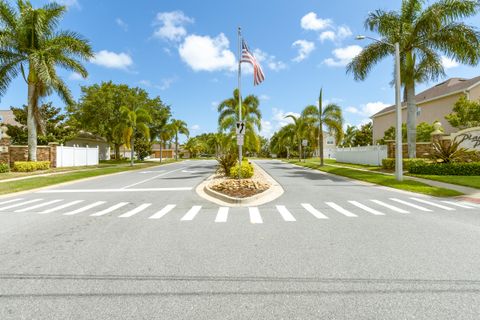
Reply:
x=389, y=163
x=246, y=170
x=447, y=169
x=4, y=167
x=28, y=166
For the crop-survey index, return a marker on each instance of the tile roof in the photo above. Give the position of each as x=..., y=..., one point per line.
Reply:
x=449, y=86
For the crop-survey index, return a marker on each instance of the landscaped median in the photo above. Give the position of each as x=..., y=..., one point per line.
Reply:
x=379, y=178
x=50, y=177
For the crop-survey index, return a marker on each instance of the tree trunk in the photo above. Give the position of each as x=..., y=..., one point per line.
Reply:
x=176, y=146
x=411, y=120
x=31, y=125
x=320, y=138
x=161, y=151
x=117, y=151
x=132, y=141
x=300, y=151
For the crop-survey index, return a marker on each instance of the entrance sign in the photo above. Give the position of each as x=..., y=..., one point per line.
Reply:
x=470, y=138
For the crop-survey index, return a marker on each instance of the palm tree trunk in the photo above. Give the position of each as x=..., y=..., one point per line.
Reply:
x=132, y=141
x=300, y=151
x=161, y=150
x=320, y=152
x=176, y=146
x=411, y=120
x=31, y=125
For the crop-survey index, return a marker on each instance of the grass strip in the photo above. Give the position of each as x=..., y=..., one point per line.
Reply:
x=467, y=181
x=384, y=180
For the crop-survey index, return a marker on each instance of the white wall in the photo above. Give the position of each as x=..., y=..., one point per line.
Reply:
x=77, y=156
x=371, y=155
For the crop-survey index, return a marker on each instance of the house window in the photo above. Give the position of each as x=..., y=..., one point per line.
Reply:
x=419, y=111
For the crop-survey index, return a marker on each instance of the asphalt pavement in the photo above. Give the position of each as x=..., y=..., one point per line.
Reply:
x=144, y=245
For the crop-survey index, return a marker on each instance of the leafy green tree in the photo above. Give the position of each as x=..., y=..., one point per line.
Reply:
x=424, y=34
x=178, y=127
x=364, y=135
x=194, y=146
x=298, y=131
x=143, y=146
x=283, y=141
x=349, y=136
x=31, y=45
x=424, y=131
x=165, y=135
x=466, y=114
x=390, y=134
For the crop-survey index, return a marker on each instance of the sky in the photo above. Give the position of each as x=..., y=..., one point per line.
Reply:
x=185, y=52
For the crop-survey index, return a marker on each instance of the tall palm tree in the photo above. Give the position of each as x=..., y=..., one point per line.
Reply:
x=31, y=45
x=330, y=116
x=298, y=130
x=424, y=33
x=135, y=118
x=178, y=126
x=165, y=135
x=251, y=114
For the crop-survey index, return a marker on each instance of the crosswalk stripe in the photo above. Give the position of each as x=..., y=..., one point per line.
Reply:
x=343, y=211
x=63, y=206
x=11, y=200
x=138, y=209
x=255, y=217
x=411, y=205
x=38, y=206
x=433, y=204
x=222, y=214
x=108, y=210
x=163, y=211
x=458, y=204
x=389, y=206
x=19, y=204
x=368, y=209
x=286, y=215
x=83, y=209
x=317, y=214
x=191, y=213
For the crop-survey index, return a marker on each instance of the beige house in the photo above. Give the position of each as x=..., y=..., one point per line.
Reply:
x=433, y=105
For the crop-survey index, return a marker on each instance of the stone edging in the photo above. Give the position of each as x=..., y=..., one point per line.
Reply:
x=268, y=195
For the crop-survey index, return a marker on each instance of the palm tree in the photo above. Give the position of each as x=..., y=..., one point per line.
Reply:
x=349, y=136
x=135, y=118
x=423, y=34
x=178, y=126
x=330, y=116
x=30, y=45
x=165, y=135
x=298, y=130
x=251, y=114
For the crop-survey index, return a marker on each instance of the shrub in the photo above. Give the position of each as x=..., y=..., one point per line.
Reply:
x=246, y=170
x=389, y=163
x=4, y=167
x=28, y=166
x=446, y=152
x=227, y=161
x=447, y=169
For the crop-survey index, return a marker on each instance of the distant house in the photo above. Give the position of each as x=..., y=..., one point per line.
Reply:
x=433, y=105
x=6, y=117
x=87, y=139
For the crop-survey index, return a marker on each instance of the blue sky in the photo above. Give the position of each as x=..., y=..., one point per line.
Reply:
x=185, y=52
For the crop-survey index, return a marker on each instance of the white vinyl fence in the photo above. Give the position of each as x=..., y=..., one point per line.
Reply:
x=371, y=155
x=76, y=156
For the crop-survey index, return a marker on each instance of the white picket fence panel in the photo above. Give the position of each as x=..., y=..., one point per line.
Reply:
x=77, y=156
x=370, y=155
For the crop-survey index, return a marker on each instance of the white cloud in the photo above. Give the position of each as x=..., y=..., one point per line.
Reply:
x=337, y=35
x=121, y=24
x=352, y=110
x=68, y=3
x=112, y=60
x=327, y=35
x=279, y=117
x=448, y=63
x=269, y=60
x=195, y=127
x=264, y=97
x=267, y=129
x=373, y=107
x=343, y=56
x=75, y=76
x=165, y=83
x=304, y=48
x=310, y=21
x=171, y=25
x=203, y=53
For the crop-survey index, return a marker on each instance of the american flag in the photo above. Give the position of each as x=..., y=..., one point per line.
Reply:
x=248, y=57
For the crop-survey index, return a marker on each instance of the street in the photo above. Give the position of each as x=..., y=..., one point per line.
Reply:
x=144, y=245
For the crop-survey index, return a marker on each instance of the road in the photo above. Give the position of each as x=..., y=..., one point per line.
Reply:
x=144, y=245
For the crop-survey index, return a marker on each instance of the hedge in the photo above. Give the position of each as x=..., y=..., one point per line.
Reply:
x=447, y=169
x=4, y=167
x=28, y=166
x=389, y=163
x=246, y=170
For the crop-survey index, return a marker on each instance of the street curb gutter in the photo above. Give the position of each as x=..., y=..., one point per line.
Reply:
x=269, y=195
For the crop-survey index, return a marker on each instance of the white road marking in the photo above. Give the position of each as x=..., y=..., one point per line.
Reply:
x=10, y=201
x=389, y=206
x=317, y=214
x=286, y=215
x=63, y=206
x=19, y=204
x=341, y=210
x=163, y=212
x=255, y=216
x=108, y=210
x=222, y=214
x=83, y=209
x=411, y=205
x=433, y=204
x=114, y=190
x=368, y=209
x=152, y=178
x=138, y=209
x=38, y=206
x=191, y=213
x=458, y=204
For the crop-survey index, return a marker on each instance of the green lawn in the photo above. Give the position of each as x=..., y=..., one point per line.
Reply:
x=468, y=181
x=381, y=179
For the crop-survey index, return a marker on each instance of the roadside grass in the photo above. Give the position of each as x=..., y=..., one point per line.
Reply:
x=381, y=179
x=467, y=181
x=44, y=181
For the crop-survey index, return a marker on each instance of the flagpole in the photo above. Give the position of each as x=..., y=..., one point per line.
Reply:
x=239, y=97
